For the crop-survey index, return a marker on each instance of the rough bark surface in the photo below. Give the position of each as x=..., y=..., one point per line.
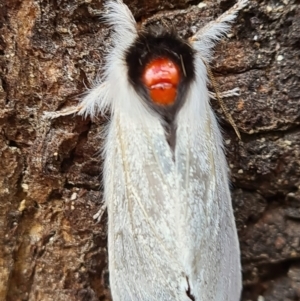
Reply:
x=50, y=246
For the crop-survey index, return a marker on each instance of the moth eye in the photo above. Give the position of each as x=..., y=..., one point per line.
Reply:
x=161, y=77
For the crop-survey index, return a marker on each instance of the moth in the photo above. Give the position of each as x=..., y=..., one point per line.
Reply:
x=171, y=229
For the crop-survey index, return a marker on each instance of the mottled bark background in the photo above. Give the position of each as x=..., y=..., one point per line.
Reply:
x=50, y=50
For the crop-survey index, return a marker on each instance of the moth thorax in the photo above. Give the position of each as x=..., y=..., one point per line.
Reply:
x=161, y=77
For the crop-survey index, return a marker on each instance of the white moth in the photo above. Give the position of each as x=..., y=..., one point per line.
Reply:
x=171, y=229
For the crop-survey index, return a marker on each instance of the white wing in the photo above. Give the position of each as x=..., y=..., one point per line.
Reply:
x=141, y=194
x=208, y=235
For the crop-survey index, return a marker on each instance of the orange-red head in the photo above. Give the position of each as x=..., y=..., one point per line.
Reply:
x=161, y=76
x=161, y=70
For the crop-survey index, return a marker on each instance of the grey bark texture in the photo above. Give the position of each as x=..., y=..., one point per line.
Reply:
x=50, y=171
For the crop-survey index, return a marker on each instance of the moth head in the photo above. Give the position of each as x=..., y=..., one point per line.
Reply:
x=154, y=66
x=160, y=68
x=161, y=77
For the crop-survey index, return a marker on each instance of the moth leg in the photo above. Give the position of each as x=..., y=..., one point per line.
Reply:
x=64, y=112
x=226, y=94
x=100, y=212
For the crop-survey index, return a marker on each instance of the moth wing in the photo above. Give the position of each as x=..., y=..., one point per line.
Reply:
x=209, y=244
x=140, y=195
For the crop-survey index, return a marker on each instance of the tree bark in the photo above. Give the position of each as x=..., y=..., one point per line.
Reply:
x=50, y=175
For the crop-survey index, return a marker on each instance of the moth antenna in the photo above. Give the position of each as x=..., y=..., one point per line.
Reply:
x=120, y=18
x=100, y=97
x=221, y=102
x=206, y=38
